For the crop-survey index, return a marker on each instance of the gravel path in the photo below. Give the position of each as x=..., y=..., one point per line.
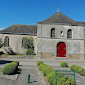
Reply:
x=22, y=78
x=29, y=67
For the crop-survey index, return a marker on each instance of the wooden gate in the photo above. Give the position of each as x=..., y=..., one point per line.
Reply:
x=61, y=50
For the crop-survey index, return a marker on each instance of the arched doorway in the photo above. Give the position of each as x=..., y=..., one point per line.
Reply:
x=61, y=49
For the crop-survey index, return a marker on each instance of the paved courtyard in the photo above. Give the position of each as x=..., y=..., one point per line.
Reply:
x=22, y=78
x=28, y=66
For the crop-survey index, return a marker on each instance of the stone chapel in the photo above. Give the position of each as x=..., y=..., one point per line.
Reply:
x=56, y=37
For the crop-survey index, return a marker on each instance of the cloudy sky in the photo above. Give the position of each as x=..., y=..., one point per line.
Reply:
x=33, y=11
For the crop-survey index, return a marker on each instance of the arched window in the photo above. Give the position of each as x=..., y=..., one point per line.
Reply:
x=69, y=33
x=53, y=33
x=61, y=34
x=6, y=41
x=23, y=41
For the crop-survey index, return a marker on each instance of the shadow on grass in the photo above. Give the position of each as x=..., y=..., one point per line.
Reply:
x=5, y=61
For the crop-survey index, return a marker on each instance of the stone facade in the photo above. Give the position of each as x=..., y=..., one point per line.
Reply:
x=15, y=42
x=66, y=31
x=47, y=46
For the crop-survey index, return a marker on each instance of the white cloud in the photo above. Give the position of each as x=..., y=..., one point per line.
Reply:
x=2, y=28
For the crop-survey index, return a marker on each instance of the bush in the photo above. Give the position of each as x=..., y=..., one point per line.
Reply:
x=82, y=73
x=50, y=75
x=45, y=69
x=10, y=68
x=49, y=71
x=63, y=64
x=64, y=80
x=30, y=52
x=16, y=62
x=39, y=63
x=78, y=69
x=42, y=66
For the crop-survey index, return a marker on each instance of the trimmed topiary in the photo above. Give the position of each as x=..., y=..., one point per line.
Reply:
x=78, y=69
x=82, y=73
x=72, y=67
x=50, y=75
x=49, y=71
x=10, y=68
x=39, y=63
x=41, y=67
x=45, y=69
x=63, y=64
x=16, y=62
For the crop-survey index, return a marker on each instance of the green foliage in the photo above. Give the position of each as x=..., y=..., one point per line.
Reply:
x=64, y=80
x=10, y=68
x=42, y=66
x=30, y=52
x=78, y=69
x=50, y=75
x=82, y=73
x=45, y=69
x=28, y=43
x=16, y=62
x=72, y=67
x=49, y=71
x=39, y=63
x=63, y=64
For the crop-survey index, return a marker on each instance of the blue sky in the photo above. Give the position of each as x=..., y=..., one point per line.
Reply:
x=32, y=11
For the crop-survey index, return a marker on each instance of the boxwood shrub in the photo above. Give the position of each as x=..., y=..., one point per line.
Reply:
x=30, y=52
x=10, y=68
x=16, y=62
x=39, y=62
x=42, y=66
x=50, y=75
x=45, y=69
x=49, y=71
x=63, y=64
x=78, y=69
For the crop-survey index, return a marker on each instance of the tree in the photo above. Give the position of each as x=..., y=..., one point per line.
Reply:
x=28, y=43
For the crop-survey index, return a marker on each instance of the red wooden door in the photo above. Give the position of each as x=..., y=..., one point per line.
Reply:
x=61, y=50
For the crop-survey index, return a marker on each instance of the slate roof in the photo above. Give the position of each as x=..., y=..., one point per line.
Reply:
x=21, y=29
x=60, y=18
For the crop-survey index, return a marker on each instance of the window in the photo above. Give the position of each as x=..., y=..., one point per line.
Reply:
x=69, y=33
x=61, y=34
x=6, y=41
x=53, y=33
x=23, y=41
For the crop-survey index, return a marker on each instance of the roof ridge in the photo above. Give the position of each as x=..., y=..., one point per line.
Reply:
x=59, y=17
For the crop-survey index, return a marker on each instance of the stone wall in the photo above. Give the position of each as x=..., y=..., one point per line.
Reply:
x=15, y=42
x=48, y=46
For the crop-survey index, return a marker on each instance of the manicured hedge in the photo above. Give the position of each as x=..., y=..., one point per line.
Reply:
x=10, y=68
x=63, y=64
x=78, y=69
x=50, y=75
x=39, y=63
x=16, y=62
